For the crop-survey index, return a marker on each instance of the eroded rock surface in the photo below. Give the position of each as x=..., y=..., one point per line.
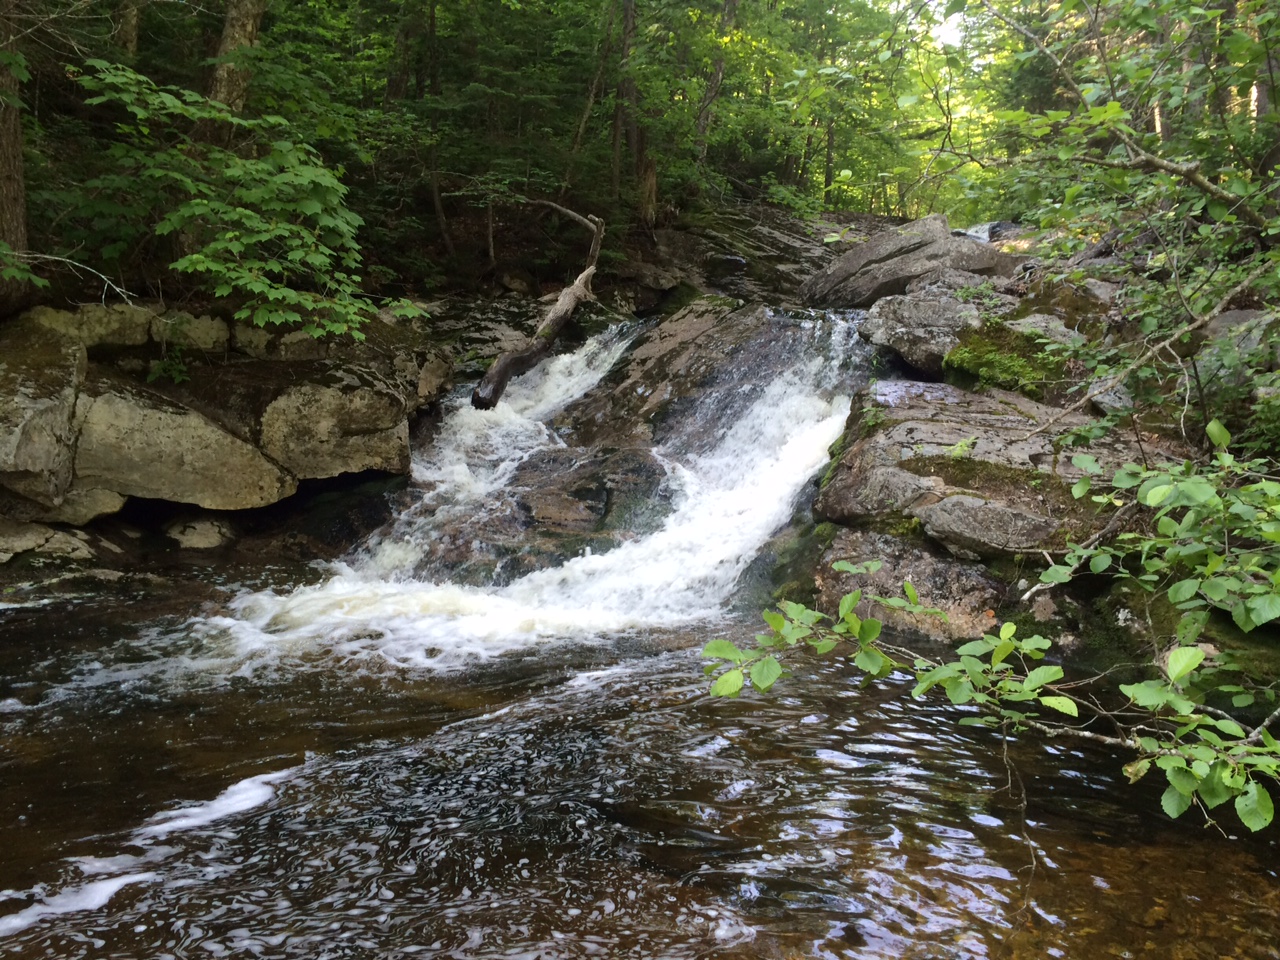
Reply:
x=886, y=263
x=972, y=468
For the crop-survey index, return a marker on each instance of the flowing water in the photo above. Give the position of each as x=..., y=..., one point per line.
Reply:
x=382, y=759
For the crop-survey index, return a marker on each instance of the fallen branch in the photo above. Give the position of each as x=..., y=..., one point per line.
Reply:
x=515, y=362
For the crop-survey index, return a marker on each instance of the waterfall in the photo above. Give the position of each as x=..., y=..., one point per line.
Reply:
x=726, y=503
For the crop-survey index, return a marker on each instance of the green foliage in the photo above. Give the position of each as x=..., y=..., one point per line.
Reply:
x=264, y=224
x=1208, y=756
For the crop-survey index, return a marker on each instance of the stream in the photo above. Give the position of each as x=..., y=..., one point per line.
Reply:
x=448, y=746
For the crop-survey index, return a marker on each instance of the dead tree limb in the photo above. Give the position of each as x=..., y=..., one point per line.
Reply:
x=515, y=362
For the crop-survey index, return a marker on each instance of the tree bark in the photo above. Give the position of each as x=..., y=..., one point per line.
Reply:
x=128, y=18
x=515, y=362
x=230, y=84
x=13, y=187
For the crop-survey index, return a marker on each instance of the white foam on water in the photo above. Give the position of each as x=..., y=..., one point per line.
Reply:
x=121, y=870
x=725, y=503
x=237, y=798
x=88, y=896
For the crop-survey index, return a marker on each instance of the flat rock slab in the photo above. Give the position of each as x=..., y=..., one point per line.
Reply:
x=970, y=467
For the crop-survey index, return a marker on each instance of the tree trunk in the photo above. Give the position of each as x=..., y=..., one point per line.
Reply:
x=230, y=83
x=128, y=17
x=13, y=189
x=728, y=14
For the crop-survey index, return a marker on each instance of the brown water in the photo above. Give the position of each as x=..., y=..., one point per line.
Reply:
x=594, y=803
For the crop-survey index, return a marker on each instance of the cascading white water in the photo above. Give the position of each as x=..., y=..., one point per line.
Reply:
x=727, y=503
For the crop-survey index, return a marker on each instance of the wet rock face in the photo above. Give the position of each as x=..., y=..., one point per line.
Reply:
x=887, y=263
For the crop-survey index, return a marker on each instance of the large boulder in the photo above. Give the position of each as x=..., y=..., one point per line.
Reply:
x=920, y=329
x=344, y=422
x=971, y=468
x=137, y=442
x=888, y=262
x=40, y=377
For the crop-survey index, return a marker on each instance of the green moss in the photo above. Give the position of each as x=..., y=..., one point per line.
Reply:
x=835, y=452
x=996, y=356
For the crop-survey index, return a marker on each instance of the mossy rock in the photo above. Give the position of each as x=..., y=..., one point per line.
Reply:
x=995, y=356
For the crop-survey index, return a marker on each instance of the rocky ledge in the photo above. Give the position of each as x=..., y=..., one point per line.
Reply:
x=83, y=427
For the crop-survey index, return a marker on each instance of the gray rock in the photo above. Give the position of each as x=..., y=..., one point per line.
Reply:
x=964, y=591
x=40, y=377
x=988, y=482
x=1101, y=290
x=17, y=537
x=179, y=329
x=95, y=324
x=80, y=505
x=885, y=264
x=851, y=497
x=921, y=330
x=1116, y=400
x=199, y=534
x=971, y=527
x=136, y=442
x=1043, y=326
x=344, y=423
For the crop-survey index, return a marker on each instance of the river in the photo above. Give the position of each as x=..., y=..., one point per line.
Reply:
x=438, y=749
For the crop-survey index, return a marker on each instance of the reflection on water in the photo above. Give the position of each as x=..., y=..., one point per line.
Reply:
x=623, y=813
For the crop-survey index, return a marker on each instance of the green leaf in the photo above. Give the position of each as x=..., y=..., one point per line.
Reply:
x=1056, y=574
x=869, y=631
x=1182, y=661
x=729, y=684
x=910, y=591
x=1081, y=487
x=1099, y=563
x=1254, y=807
x=1264, y=609
x=848, y=602
x=871, y=660
x=954, y=7
x=1218, y=434
x=1061, y=704
x=1184, y=590
x=1042, y=675
x=1008, y=629
x=764, y=673
x=1175, y=804
x=723, y=650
